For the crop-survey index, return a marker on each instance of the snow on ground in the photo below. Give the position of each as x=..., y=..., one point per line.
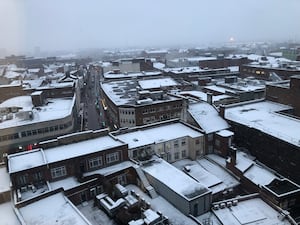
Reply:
x=7, y=215
x=94, y=214
x=162, y=205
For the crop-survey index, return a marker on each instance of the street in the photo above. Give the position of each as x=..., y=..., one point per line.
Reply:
x=94, y=115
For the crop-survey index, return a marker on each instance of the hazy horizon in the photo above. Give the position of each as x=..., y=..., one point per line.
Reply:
x=76, y=24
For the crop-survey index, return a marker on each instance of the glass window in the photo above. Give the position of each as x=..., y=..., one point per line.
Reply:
x=95, y=162
x=112, y=157
x=58, y=172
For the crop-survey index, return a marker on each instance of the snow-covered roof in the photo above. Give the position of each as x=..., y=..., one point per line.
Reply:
x=157, y=134
x=4, y=180
x=225, y=133
x=55, y=209
x=243, y=161
x=208, y=173
x=25, y=160
x=252, y=211
x=180, y=183
x=8, y=215
x=111, y=169
x=112, y=74
x=207, y=117
x=66, y=184
x=259, y=175
x=56, y=108
x=81, y=148
x=124, y=92
x=157, y=83
x=203, y=96
x=263, y=116
x=159, y=65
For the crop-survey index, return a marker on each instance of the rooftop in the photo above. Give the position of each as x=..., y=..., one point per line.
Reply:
x=157, y=83
x=8, y=215
x=180, y=183
x=26, y=160
x=207, y=117
x=4, y=180
x=157, y=134
x=30, y=159
x=54, y=109
x=264, y=117
x=125, y=92
x=251, y=212
x=114, y=75
x=54, y=209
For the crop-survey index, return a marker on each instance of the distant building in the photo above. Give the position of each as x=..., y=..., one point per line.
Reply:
x=286, y=92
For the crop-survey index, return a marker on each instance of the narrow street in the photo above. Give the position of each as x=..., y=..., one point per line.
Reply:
x=93, y=110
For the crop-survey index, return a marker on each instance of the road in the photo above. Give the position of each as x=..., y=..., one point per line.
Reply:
x=94, y=116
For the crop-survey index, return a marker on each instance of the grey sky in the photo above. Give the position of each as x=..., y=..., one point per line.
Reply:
x=74, y=24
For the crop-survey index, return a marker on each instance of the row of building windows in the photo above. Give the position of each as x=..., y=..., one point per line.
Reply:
x=35, y=132
x=254, y=71
x=92, y=163
x=127, y=112
x=130, y=121
x=161, y=109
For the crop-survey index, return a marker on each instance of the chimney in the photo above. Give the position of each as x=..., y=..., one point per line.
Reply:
x=209, y=98
x=222, y=111
x=232, y=154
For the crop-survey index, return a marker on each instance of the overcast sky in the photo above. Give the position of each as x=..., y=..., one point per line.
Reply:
x=80, y=24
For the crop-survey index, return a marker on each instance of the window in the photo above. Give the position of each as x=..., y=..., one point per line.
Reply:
x=58, y=172
x=183, y=142
x=176, y=155
x=183, y=153
x=95, y=162
x=197, y=142
x=217, y=143
x=210, y=137
x=176, y=144
x=113, y=157
x=122, y=179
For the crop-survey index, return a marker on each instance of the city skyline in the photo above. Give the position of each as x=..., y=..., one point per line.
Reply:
x=73, y=25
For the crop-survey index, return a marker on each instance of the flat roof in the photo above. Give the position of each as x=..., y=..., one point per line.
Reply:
x=111, y=169
x=26, y=160
x=207, y=117
x=55, y=109
x=66, y=184
x=203, y=96
x=4, y=180
x=113, y=75
x=263, y=116
x=157, y=83
x=252, y=211
x=8, y=215
x=180, y=183
x=81, y=148
x=55, y=209
x=124, y=92
x=30, y=159
x=157, y=134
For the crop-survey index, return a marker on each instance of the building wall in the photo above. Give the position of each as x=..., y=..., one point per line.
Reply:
x=186, y=206
x=166, y=110
x=279, y=155
x=21, y=136
x=263, y=73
